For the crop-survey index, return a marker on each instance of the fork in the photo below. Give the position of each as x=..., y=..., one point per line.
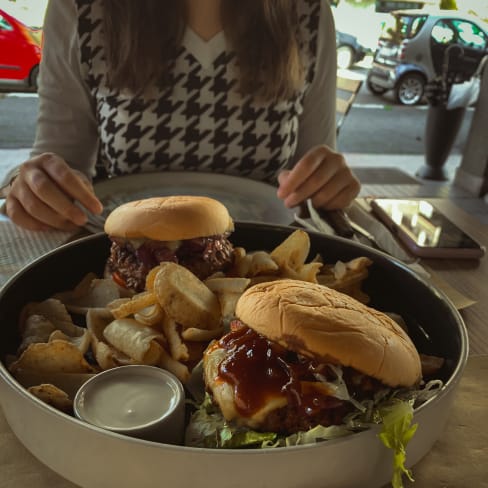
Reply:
x=94, y=223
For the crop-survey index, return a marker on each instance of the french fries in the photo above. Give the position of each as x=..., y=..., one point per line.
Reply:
x=177, y=347
x=347, y=277
x=228, y=291
x=151, y=315
x=134, y=304
x=167, y=325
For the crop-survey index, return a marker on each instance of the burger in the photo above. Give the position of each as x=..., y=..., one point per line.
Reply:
x=189, y=230
x=301, y=355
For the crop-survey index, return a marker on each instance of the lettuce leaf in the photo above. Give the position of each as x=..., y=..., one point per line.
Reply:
x=397, y=431
x=208, y=428
x=392, y=409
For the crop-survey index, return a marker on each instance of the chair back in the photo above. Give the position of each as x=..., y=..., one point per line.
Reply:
x=347, y=89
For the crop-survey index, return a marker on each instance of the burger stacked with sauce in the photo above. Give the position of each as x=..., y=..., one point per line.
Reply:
x=189, y=230
x=300, y=355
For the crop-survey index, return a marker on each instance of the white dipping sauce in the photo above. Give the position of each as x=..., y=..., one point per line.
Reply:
x=132, y=402
x=128, y=398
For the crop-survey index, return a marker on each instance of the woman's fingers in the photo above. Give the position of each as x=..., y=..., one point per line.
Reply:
x=42, y=198
x=339, y=192
x=322, y=178
x=72, y=183
x=322, y=175
x=48, y=219
x=303, y=170
x=44, y=192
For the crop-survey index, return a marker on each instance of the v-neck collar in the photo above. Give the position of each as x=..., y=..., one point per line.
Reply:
x=205, y=52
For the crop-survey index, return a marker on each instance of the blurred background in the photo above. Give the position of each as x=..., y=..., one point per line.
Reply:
x=392, y=54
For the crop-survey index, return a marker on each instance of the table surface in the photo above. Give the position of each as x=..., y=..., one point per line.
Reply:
x=470, y=277
x=466, y=432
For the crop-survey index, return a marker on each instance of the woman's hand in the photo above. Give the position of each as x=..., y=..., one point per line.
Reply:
x=323, y=176
x=42, y=196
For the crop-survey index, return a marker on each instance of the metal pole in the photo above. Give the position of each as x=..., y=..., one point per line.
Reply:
x=472, y=173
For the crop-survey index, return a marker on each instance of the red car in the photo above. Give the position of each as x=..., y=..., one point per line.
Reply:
x=20, y=53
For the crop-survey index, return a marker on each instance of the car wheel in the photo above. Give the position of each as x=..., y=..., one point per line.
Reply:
x=345, y=57
x=33, y=77
x=410, y=89
x=375, y=89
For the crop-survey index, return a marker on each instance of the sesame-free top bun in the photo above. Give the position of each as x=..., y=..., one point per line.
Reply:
x=330, y=326
x=169, y=218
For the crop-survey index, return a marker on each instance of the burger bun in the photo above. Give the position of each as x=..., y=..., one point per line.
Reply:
x=331, y=327
x=170, y=218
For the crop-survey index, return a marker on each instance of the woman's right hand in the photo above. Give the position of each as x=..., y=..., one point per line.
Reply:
x=42, y=196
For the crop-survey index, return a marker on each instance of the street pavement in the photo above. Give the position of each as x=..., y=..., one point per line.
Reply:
x=375, y=125
x=376, y=132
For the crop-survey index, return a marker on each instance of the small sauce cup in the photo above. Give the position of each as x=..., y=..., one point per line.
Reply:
x=139, y=401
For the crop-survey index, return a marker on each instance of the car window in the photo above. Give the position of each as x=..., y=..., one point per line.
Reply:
x=443, y=33
x=402, y=25
x=407, y=26
x=4, y=25
x=417, y=24
x=470, y=35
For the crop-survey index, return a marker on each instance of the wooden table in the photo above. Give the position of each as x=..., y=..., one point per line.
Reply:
x=469, y=277
x=457, y=460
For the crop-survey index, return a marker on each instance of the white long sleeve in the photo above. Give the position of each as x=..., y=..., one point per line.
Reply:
x=66, y=123
x=318, y=121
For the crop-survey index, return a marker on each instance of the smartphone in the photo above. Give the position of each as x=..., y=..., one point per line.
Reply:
x=425, y=231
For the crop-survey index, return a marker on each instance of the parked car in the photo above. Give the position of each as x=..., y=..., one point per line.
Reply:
x=413, y=52
x=349, y=50
x=20, y=53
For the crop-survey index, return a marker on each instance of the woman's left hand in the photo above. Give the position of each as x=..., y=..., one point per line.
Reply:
x=322, y=175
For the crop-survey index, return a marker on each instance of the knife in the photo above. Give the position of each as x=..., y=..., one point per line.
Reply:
x=360, y=216
x=338, y=220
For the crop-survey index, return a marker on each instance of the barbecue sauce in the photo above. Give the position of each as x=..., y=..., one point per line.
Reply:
x=260, y=369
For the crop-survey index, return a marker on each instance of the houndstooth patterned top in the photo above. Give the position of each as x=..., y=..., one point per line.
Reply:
x=200, y=123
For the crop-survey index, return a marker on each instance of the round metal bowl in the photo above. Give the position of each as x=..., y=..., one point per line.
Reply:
x=92, y=457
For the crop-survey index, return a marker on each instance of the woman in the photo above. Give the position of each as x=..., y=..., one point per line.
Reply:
x=242, y=88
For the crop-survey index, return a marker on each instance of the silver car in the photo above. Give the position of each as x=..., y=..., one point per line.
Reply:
x=413, y=52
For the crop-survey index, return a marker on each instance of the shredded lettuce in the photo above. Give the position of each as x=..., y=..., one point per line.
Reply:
x=393, y=409
x=396, y=433
x=316, y=434
x=208, y=428
x=338, y=387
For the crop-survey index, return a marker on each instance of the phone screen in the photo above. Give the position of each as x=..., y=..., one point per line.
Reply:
x=425, y=225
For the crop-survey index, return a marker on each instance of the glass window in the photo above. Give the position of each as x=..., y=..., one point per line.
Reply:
x=4, y=25
x=470, y=35
x=417, y=24
x=408, y=26
x=443, y=33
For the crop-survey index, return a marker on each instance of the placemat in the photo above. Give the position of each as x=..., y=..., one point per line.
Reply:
x=19, y=247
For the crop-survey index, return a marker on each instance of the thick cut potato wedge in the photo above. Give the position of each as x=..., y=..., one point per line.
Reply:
x=186, y=299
